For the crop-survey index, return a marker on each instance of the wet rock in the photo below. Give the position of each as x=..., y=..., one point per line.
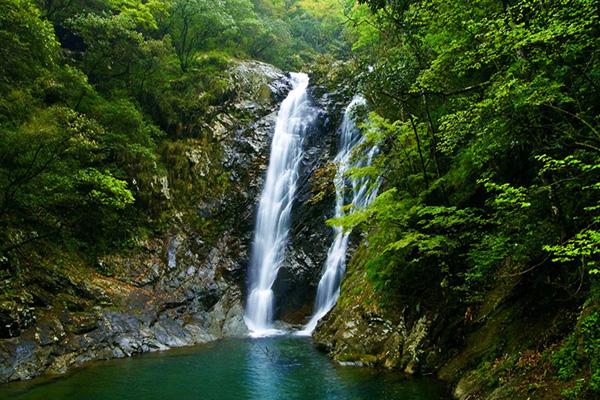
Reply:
x=177, y=288
x=8, y=358
x=227, y=317
x=310, y=237
x=355, y=334
x=174, y=244
x=171, y=333
x=256, y=83
x=19, y=360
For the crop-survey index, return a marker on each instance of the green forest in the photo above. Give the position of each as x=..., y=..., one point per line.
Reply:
x=486, y=114
x=95, y=96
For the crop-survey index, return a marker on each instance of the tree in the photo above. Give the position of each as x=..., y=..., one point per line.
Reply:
x=28, y=43
x=194, y=23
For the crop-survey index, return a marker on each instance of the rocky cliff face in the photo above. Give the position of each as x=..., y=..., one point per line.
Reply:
x=186, y=284
x=310, y=237
x=359, y=331
x=497, y=351
x=179, y=287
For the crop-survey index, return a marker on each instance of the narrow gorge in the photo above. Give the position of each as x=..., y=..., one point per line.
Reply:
x=299, y=199
x=177, y=292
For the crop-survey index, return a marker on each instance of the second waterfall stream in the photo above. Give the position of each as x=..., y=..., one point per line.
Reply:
x=360, y=193
x=274, y=210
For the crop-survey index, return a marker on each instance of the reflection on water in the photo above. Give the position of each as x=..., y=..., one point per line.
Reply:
x=261, y=369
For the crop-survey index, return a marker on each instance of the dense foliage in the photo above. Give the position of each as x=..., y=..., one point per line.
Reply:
x=488, y=113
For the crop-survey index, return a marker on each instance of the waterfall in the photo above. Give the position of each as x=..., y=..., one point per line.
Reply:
x=273, y=219
x=328, y=290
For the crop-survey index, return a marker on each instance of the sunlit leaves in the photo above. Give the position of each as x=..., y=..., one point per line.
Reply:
x=104, y=189
x=583, y=249
x=28, y=42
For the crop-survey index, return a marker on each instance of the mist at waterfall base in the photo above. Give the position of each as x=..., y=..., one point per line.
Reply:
x=360, y=195
x=274, y=210
x=274, y=368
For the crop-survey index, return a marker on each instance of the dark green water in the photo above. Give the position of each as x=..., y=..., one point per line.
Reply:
x=261, y=369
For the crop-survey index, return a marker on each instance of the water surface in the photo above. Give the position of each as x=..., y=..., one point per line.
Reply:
x=262, y=369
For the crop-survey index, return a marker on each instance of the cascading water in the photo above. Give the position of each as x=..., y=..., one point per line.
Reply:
x=328, y=290
x=273, y=220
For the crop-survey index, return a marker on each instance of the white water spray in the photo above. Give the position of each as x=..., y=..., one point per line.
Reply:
x=328, y=290
x=273, y=220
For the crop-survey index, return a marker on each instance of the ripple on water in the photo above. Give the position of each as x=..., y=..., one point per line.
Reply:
x=271, y=368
